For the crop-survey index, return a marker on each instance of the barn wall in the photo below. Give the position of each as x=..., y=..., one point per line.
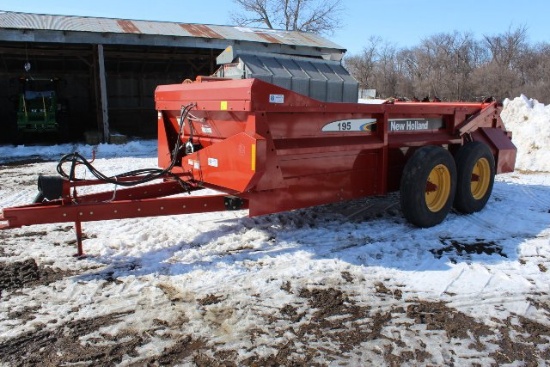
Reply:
x=132, y=74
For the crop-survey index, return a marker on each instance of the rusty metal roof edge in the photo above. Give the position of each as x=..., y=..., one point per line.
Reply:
x=131, y=26
x=109, y=18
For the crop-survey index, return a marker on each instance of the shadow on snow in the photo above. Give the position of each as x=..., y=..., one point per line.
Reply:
x=367, y=233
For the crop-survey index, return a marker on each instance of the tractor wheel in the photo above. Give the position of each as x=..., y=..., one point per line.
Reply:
x=476, y=174
x=428, y=186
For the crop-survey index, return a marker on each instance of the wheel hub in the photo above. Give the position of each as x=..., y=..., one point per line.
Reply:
x=481, y=174
x=438, y=188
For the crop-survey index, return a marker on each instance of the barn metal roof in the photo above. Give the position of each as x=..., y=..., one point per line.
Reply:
x=16, y=26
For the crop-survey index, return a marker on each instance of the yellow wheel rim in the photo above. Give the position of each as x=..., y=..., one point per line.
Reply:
x=438, y=188
x=481, y=175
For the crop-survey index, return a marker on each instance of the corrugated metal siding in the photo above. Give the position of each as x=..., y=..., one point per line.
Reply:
x=14, y=20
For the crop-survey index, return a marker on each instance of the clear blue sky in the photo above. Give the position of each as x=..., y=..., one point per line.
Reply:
x=403, y=23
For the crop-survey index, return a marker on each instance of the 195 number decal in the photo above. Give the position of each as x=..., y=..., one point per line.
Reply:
x=344, y=126
x=352, y=125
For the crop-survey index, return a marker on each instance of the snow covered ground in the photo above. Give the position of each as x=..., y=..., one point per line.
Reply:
x=344, y=284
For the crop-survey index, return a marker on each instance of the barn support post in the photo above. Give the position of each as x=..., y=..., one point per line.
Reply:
x=104, y=116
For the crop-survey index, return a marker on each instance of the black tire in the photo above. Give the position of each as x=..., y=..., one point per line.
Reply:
x=476, y=174
x=426, y=203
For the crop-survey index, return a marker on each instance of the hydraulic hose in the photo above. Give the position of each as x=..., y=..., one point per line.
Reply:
x=142, y=175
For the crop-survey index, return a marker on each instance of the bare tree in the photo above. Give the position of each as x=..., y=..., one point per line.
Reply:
x=455, y=66
x=387, y=71
x=363, y=66
x=406, y=68
x=505, y=67
x=316, y=16
x=376, y=67
x=506, y=48
x=534, y=66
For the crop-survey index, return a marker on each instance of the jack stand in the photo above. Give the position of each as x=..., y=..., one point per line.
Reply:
x=78, y=229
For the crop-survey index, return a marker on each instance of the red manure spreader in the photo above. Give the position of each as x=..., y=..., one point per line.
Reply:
x=268, y=148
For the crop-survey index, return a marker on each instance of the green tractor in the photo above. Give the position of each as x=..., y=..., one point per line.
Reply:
x=38, y=109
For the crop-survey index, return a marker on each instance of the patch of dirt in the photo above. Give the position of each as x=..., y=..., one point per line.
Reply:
x=183, y=348
x=62, y=345
x=438, y=316
x=67, y=345
x=30, y=234
x=209, y=300
x=335, y=319
x=27, y=273
x=17, y=274
x=25, y=314
x=290, y=312
x=324, y=325
x=545, y=305
x=403, y=357
x=330, y=326
x=287, y=287
x=454, y=248
x=520, y=339
x=523, y=340
x=347, y=276
x=371, y=208
x=380, y=288
x=220, y=359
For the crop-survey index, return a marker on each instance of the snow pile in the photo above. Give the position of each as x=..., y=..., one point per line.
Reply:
x=529, y=121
